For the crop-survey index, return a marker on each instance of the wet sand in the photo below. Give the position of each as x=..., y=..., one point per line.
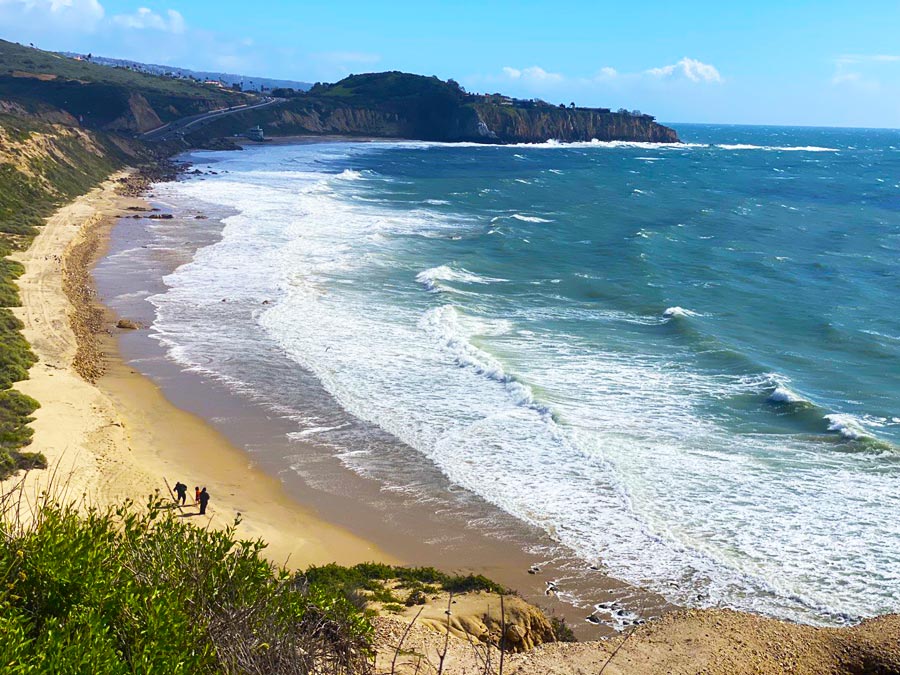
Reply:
x=120, y=438
x=433, y=523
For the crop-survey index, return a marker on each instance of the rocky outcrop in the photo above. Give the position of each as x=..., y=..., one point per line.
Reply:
x=713, y=642
x=403, y=105
x=477, y=616
x=140, y=116
x=509, y=124
x=337, y=120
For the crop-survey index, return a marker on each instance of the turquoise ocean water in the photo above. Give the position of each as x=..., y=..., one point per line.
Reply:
x=682, y=360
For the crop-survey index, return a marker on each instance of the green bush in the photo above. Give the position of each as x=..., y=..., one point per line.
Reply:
x=371, y=577
x=123, y=591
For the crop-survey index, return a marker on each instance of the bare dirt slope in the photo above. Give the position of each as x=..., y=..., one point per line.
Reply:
x=712, y=642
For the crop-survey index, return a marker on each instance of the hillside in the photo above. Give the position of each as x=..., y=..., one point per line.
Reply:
x=247, y=82
x=42, y=166
x=401, y=105
x=77, y=92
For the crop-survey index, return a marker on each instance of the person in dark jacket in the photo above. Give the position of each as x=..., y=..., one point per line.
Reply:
x=180, y=492
x=204, y=500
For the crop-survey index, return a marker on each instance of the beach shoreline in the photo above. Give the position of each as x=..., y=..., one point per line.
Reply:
x=480, y=539
x=120, y=438
x=128, y=435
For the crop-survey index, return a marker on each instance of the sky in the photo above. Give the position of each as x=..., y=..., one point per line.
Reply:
x=788, y=62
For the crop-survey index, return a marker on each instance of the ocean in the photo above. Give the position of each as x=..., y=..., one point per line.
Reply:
x=680, y=360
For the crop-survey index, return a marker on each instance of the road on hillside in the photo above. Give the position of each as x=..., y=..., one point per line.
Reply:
x=179, y=127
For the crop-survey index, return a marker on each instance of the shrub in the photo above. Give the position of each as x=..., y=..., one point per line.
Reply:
x=371, y=577
x=125, y=591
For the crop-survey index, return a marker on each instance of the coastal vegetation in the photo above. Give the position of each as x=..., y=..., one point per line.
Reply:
x=127, y=590
x=131, y=589
x=409, y=585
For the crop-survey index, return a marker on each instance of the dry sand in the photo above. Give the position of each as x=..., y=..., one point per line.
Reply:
x=119, y=437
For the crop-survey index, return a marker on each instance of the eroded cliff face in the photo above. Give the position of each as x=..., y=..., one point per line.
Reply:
x=340, y=121
x=139, y=116
x=483, y=123
x=507, y=124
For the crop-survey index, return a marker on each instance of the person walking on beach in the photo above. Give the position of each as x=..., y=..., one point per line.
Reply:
x=196, y=495
x=203, y=498
x=180, y=492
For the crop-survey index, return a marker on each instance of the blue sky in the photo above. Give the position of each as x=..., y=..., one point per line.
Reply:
x=761, y=62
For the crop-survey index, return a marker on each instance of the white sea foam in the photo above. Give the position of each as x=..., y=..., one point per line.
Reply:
x=639, y=145
x=530, y=219
x=350, y=174
x=847, y=426
x=675, y=312
x=596, y=435
x=312, y=431
x=779, y=148
x=782, y=394
x=430, y=277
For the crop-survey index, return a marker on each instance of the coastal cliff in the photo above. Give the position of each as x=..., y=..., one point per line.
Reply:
x=510, y=124
x=400, y=105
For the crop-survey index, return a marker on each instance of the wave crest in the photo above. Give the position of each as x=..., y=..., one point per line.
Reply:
x=430, y=278
x=676, y=312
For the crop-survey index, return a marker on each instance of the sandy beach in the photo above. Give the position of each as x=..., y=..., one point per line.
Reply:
x=111, y=433
x=120, y=438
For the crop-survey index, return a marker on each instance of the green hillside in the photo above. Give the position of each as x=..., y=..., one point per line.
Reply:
x=100, y=97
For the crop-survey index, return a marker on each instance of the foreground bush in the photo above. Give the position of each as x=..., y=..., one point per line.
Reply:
x=143, y=591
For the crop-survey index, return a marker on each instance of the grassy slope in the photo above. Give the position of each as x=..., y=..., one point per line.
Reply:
x=42, y=166
x=42, y=80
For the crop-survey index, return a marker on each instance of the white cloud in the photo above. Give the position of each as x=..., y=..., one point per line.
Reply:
x=692, y=69
x=145, y=18
x=688, y=69
x=864, y=71
x=36, y=15
x=533, y=74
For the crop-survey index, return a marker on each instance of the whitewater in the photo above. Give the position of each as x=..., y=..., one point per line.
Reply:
x=682, y=360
